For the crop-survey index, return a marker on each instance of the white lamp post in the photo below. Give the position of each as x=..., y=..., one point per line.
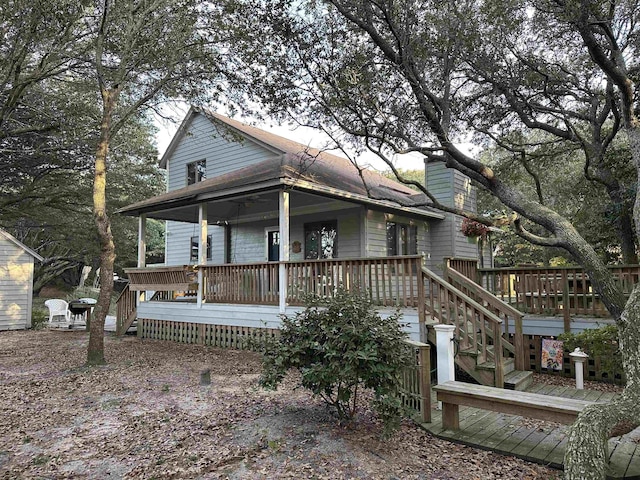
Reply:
x=579, y=357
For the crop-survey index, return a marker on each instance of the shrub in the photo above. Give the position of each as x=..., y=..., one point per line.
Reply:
x=341, y=346
x=597, y=342
x=39, y=318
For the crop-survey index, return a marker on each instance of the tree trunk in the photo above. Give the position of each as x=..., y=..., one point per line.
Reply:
x=624, y=225
x=95, y=353
x=586, y=455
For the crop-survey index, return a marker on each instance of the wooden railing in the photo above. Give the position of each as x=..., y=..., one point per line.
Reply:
x=178, y=278
x=125, y=310
x=389, y=281
x=553, y=290
x=415, y=384
x=465, y=266
x=504, y=311
x=477, y=329
x=253, y=283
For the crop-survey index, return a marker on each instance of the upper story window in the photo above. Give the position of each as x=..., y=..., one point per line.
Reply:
x=321, y=240
x=402, y=239
x=196, y=171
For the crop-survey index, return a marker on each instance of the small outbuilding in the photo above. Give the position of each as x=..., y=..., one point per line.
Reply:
x=16, y=282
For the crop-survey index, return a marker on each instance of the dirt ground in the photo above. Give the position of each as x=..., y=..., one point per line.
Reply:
x=145, y=415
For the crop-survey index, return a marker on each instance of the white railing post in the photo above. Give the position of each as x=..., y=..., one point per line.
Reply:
x=445, y=353
x=579, y=358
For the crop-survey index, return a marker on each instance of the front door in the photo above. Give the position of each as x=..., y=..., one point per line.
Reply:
x=273, y=245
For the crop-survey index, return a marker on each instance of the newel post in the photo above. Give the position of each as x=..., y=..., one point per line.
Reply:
x=445, y=353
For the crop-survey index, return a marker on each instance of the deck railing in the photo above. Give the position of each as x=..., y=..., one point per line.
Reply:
x=465, y=266
x=254, y=283
x=553, y=290
x=391, y=281
x=415, y=383
x=477, y=329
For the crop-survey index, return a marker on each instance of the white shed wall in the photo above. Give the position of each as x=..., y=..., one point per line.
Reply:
x=16, y=286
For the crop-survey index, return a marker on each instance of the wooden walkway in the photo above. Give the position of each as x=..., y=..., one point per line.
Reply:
x=535, y=440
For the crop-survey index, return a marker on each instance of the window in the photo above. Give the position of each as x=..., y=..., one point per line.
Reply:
x=321, y=240
x=196, y=172
x=402, y=239
x=194, y=249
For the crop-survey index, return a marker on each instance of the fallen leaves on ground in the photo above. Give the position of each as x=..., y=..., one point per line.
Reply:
x=144, y=415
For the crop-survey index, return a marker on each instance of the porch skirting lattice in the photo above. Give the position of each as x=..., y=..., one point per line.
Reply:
x=224, y=336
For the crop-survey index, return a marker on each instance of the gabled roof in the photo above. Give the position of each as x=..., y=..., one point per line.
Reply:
x=300, y=167
x=12, y=239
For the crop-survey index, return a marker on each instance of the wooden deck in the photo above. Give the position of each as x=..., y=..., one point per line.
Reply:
x=535, y=440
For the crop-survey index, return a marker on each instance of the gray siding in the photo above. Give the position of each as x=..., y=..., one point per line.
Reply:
x=452, y=189
x=248, y=243
x=203, y=141
x=376, y=233
x=16, y=286
x=178, y=243
x=256, y=316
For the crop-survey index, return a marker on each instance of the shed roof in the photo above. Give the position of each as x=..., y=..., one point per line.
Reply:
x=19, y=244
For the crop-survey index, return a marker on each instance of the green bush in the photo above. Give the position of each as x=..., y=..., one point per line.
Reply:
x=597, y=343
x=341, y=346
x=39, y=318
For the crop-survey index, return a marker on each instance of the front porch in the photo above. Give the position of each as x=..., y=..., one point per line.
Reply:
x=188, y=303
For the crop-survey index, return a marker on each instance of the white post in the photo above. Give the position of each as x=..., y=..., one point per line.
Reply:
x=202, y=249
x=142, y=244
x=142, y=249
x=579, y=358
x=445, y=354
x=283, y=208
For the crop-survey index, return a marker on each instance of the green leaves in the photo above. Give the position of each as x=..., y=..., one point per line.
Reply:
x=341, y=345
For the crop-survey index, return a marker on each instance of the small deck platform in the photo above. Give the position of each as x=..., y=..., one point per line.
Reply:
x=535, y=440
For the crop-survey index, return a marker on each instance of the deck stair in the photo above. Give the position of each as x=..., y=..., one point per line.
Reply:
x=488, y=331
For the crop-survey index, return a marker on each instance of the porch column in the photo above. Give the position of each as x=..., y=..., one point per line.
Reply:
x=142, y=244
x=283, y=201
x=142, y=249
x=202, y=249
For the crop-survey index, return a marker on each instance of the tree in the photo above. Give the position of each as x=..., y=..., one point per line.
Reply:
x=144, y=52
x=419, y=76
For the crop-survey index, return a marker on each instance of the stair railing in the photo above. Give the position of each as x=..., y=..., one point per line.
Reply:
x=125, y=309
x=502, y=309
x=477, y=328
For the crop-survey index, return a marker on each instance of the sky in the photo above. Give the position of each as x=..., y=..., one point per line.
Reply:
x=305, y=135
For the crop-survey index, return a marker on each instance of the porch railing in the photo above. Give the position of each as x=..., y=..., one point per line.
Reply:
x=255, y=283
x=553, y=290
x=391, y=281
x=465, y=266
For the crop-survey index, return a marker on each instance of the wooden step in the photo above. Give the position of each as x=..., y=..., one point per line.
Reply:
x=518, y=380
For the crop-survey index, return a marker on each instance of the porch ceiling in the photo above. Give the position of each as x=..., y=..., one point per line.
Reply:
x=253, y=207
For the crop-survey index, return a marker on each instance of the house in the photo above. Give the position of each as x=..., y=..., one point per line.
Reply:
x=256, y=221
x=16, y=282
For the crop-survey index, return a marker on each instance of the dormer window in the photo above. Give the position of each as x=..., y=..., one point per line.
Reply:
x=196, y=172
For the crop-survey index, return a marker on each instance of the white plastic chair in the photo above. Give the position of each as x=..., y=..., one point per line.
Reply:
x=59, y=313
